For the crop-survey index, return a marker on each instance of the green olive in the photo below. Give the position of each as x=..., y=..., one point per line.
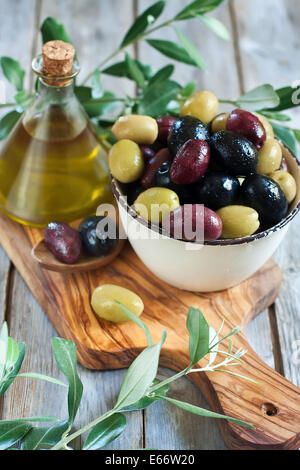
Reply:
x=203, y=105
x=219, y=122
x=156, y=203
x=267, y=126
x=238, y=221
x=269, y=157
x=104, y=305
x=141, y=129
x=287, y=183
x=126, y=162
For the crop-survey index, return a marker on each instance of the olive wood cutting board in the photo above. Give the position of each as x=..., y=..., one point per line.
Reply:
x=272, y=405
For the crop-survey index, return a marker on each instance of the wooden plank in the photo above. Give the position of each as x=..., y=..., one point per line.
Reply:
x=267, y=31
x=221, y=77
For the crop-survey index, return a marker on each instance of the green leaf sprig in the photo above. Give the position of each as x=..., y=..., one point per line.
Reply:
x=140, y=388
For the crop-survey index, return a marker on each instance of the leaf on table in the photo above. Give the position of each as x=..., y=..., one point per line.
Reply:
x=7, y=123
x=134, y=71
x=207, y=413
x=51, y=30
x=129, y=314
x=11, y=432
x=13, y=71
x=216, y=26
x=66, y=358
x=148, y=17
x=286, y=135
x=146, y=401
x=3, y=349
x=156, y=98
x=173, y=50
x=35, y=375
x=11, y=375
x=45, y=437
x=198, y=7
x=261, y=97
x=105, y=432
x=198, y=329
x=139, y=376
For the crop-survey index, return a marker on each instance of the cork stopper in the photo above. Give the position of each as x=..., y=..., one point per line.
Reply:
x=57, y=61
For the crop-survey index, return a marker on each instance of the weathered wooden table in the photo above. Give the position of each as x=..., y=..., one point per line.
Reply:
x=264, y=49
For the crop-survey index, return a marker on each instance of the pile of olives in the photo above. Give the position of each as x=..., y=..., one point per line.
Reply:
x=67, y=243
x=227, y=165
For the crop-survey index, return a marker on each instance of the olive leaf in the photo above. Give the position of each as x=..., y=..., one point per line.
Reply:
x=172, y=50
x=198, y=329
x=191, y=50
x=131, y=316
x=162, y=75
x=286, y=135
x=289, y=98
x=8, y=122
x=139, y=376
x=13, y=371
x=120, y=69
x=43, y=438
x=216, y=26
x=11, y=432
x=188, y=89
x=134, y=71
x=146, y=401
x=51, y=30
x=105, y=432
x=95, y=107
x=207, y=413
x=3, y=348
x=156, y=98
x=142, y=22
x=13, y=71
x=261, y=97
x=66, y=359
x=198, y=7
x=276, y=116
x=97, y=90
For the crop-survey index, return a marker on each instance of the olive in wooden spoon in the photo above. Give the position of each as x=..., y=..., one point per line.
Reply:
x=61, y=250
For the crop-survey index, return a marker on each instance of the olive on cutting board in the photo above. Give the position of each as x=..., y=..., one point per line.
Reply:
x=217, y=189
x=234, y=153
x=265, y=196
x=95, y=238
x=184, y=129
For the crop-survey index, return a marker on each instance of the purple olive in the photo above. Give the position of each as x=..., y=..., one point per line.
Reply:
x=247, y=124
x=148, y=178
x=193, y=222
x=147, y=152
x=165, y=124
x=190, y=162
x=63, y=241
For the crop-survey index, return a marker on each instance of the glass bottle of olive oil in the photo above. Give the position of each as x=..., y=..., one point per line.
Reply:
x=52, y=167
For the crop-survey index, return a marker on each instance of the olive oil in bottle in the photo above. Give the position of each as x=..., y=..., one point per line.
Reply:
x=52, y=167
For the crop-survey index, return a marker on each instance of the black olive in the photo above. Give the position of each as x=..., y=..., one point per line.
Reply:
x=216, y=190
x=132, y=191
x=265, y=196
x=185, y=192
x=183, y=129
x=234, y=153
x=96, y=240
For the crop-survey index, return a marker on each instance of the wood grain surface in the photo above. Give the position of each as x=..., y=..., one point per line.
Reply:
x=272, y=405
x=264, y=47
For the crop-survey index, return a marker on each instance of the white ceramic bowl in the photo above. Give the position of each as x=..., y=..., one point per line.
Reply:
x=206, y=267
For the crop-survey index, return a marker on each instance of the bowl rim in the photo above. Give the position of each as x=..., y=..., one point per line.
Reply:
x=219, y=242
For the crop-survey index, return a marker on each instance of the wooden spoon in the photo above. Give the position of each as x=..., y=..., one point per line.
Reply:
x=46, y=259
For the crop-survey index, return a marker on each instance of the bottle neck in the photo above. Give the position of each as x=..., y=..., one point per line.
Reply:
x=55, y=94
